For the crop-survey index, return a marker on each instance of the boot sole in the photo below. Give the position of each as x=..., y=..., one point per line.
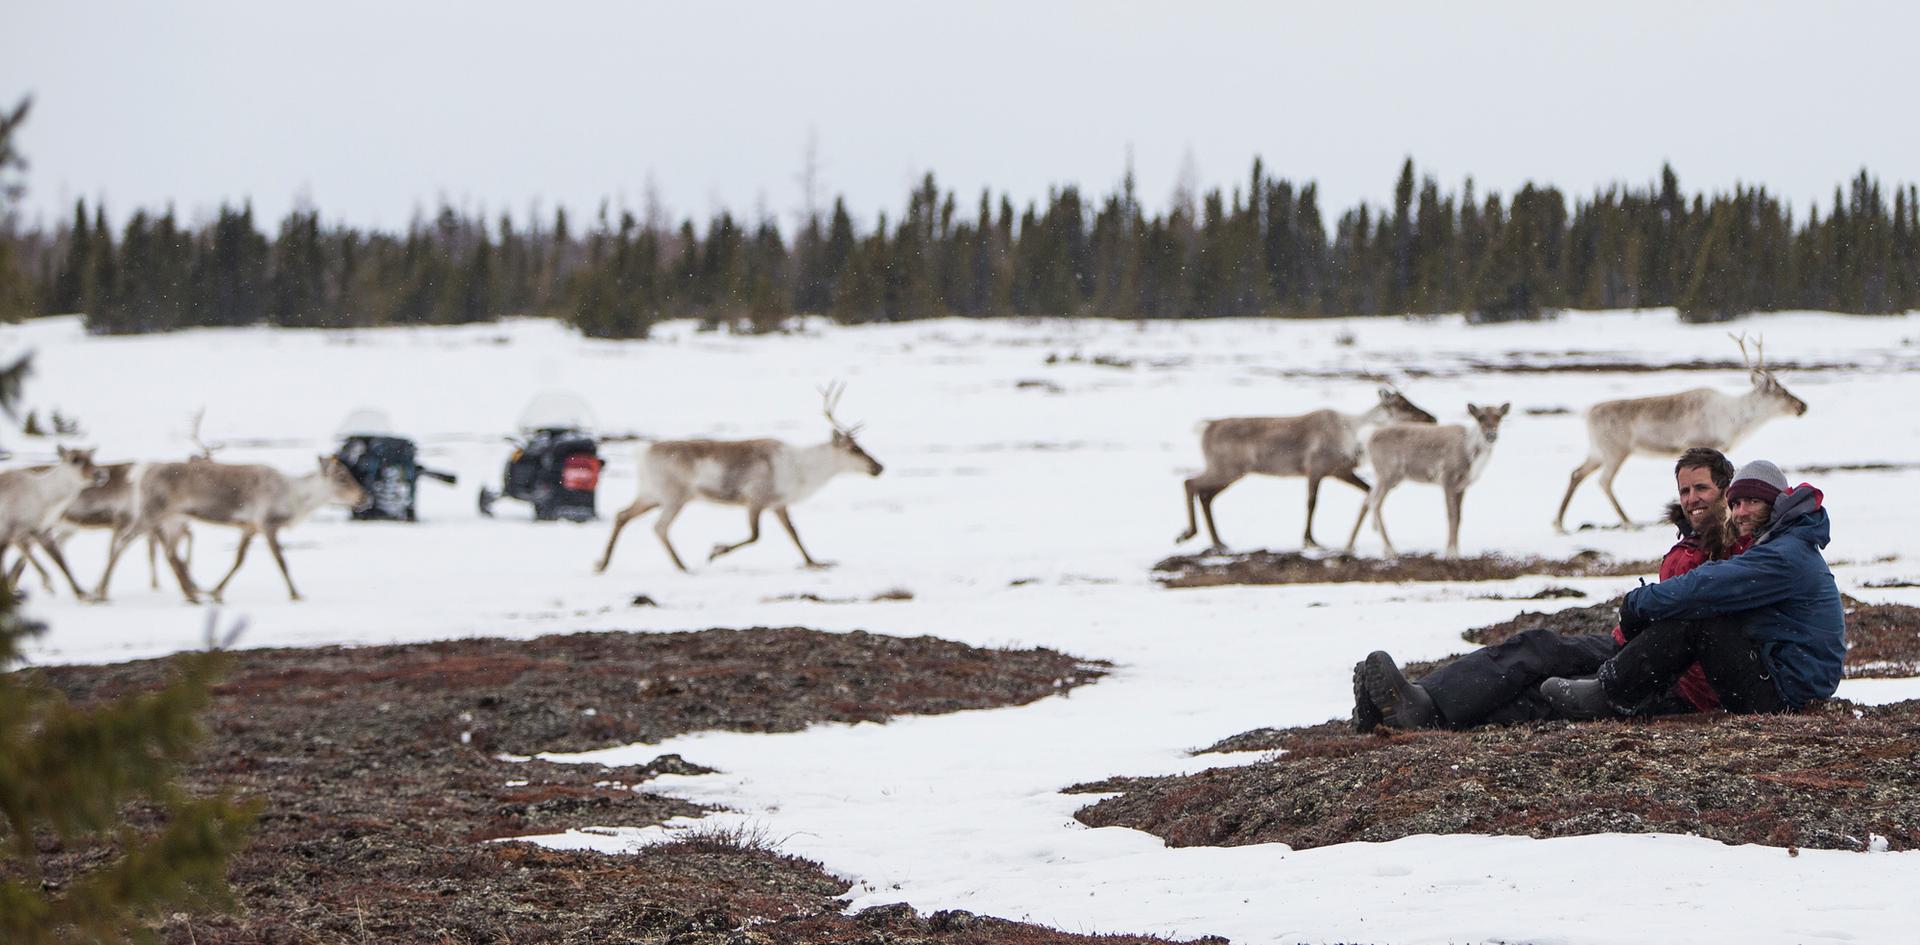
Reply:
x=1391, y=694
x=1366, y=715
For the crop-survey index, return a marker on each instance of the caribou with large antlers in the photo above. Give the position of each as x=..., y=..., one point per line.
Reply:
x=757, y=474
x=1315, y=445
x=1671, y=424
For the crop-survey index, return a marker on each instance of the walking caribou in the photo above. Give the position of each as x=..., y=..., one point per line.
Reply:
x=1314, y=445
x=1450, y=456
x=757, y=474
x=255, y=499
x=107, y=504
x=32, y=501
x=1671, y=424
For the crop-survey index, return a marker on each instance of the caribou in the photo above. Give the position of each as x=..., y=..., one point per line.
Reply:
x=1314, y=445
x=32, y=501
x=1450, y=456
x=113, y=505
x=757, y=474
x=258, y=500
x=1671, y=424
x=107, y=504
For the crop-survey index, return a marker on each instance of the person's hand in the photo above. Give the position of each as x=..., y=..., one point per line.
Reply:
x=1631, y=621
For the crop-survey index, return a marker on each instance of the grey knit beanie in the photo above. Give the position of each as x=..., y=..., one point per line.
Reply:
x=1757, y=480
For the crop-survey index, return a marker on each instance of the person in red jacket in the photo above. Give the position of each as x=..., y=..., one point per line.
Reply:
x=1717, y=538
x=1499, y=684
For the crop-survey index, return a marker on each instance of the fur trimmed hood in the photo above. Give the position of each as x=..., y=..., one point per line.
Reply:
x=1716, y=539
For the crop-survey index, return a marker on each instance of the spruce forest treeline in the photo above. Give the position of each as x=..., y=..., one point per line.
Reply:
x=1262, y=249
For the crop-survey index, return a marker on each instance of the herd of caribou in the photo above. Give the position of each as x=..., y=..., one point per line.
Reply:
x=41, y=506
x=1404, y=444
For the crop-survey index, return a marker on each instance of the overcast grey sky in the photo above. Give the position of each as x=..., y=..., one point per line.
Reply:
x=373, y=109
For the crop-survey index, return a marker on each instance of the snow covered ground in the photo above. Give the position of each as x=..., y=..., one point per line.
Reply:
x=1023, y=516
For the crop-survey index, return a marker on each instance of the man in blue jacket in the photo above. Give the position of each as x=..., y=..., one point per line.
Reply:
x=1766, y=626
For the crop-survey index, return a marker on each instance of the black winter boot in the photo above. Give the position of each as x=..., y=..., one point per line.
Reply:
x=1366, y=717
x=1577, y=699
x=1401, y=704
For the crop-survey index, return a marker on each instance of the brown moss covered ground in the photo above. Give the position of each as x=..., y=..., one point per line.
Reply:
x=1210, y=569
x=378, y=772
x=1823, y=779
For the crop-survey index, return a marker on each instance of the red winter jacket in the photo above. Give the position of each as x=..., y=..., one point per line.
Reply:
x=1686, y=554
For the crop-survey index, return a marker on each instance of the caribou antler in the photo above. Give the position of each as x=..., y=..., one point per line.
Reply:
x=206, y=452
x=1741, y=340
x=1758, y=362
x=830, y=399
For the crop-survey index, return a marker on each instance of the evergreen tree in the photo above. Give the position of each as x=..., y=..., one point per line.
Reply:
x=297, y=285
x=16, y=293
x=106, y=268
x=1717, y=290
x=68, y=774
x=1400, y=247
x=73, y=285
x=860, y=294
x=230, y=271
x=1260, y=250
x=476, y=282
x=764, y=275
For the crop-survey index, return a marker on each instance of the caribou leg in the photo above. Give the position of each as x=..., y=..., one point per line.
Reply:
x=1606, y=486
x=19, y=569
x=1202, y=488
x=1377, y=505
x=1206, y=492
x=1366, y=498
x=1193, y=526
x=669, y=512
x=753, y=534
x=273, y=545
x=620, y=520
x=1580, y=473
x=1454, y=497
x=1313, y=502
x=180, y=572
x=122, y=537
x=786, y=522
x=246, y=538
x=59, y=561
x=153, y=562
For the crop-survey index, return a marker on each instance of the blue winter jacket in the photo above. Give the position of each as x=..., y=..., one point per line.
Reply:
x=1783, y=591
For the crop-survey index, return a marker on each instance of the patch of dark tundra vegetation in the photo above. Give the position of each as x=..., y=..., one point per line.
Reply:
x=382, y=779
x=1831, y=777
x=1819, y=470
x=1883, y=640
x=1214, y=569
x=1834, y=777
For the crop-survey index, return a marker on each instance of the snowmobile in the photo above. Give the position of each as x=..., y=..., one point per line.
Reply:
x=555, y=465
x=385, y=465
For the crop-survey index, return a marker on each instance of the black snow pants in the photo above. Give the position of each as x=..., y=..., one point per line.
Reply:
x=1653, y=660
x=1500, y=684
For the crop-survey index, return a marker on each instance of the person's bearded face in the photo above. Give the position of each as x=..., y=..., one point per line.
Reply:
x=1698, y=494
